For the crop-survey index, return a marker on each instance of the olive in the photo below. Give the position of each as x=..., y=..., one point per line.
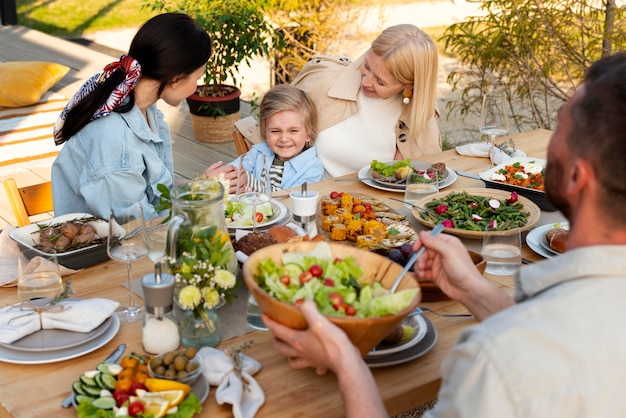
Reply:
x=159, y=370
x=181, y=374
x=156, y=362
x=190, y=352
x=191, y=367
x=169, y=374
x=168, y=358
x=180, y=362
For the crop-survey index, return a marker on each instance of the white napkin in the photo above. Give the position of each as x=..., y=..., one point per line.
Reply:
x=79, y=316
x=9, y=252
x=218, y=369
x=484, y=149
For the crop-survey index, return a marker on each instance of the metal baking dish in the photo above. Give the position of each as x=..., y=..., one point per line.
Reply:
x=539, y=197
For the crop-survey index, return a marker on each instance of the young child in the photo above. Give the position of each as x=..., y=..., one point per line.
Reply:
x=288, y=125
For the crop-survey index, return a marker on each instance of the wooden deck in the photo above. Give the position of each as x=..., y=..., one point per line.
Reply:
x=22, y=44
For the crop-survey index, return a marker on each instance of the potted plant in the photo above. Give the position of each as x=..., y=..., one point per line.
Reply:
x=239, y=32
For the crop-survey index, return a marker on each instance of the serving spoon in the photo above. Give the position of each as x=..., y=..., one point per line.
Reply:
x=436, y=230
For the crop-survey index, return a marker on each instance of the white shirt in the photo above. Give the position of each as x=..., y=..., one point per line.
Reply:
x=559, y=352
x=367, y=135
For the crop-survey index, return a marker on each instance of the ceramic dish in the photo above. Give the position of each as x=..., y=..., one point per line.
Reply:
x=366, y=179
x=418, y=324
x=281, y=214
x=57, y=339
x=28, y=237
x=411, y=353
x=534, y=237
x=27, y=357
x=533, y=209
x=449, y=176
x=537, y=196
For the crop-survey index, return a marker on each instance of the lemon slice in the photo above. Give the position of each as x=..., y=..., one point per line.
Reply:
x=174, y=397
x=152, y=404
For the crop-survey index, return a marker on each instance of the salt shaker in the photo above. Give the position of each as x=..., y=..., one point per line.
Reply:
x=160, y=329
x=304, y=208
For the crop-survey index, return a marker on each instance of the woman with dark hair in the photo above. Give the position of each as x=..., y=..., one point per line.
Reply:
x=117, y=144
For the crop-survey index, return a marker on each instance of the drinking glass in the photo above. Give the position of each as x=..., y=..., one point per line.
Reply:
x=255, y=190
x=494, y=121
x=38, y=275
x=253, y=314
x=126, y=242
x=502, y=250
x=156, y=238
x=420, y=183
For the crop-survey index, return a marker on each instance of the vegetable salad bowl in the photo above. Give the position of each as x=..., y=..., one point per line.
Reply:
x=364, y=332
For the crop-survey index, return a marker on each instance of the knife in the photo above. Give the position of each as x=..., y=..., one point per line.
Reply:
x=470, y=175
x=116, y=354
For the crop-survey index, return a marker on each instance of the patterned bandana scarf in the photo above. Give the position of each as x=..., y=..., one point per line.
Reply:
x=131, y=68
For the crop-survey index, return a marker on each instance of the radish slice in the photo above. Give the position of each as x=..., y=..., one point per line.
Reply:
x=494, y=203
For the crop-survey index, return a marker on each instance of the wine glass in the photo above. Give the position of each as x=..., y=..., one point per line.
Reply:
x=38, y=275
x=156, y=238
x=493, y=116
x=255, y=190
x=126, y=242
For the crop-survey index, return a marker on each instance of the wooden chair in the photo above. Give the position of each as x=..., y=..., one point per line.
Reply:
x=241, y=143
x=30, y=200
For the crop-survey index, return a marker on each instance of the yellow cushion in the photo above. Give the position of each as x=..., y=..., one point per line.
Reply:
x=22, y=83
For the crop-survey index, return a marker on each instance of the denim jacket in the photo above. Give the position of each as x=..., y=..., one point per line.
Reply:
x=304, y=167
x=114, y=162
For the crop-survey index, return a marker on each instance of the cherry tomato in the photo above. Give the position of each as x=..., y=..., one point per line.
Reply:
x=120, y=397
x=349, y=310
x=305, y=277
x=135, y=408
x=335, y=195
x=316, y=270
x=328, y=282
x=259, y=217
x=336, y=299
x=285, y=280
x=135, y=386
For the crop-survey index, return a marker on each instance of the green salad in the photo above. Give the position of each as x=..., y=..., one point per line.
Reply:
x=336, y=285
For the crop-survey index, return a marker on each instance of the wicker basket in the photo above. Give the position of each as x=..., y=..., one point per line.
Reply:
x=214, y=129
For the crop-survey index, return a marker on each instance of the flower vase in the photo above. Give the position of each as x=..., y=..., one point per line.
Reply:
x=201, y=331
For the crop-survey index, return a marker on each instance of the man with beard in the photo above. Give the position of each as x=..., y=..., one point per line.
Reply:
x=558, y=349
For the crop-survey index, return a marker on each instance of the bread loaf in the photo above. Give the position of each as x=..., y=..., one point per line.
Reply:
x=557, y=238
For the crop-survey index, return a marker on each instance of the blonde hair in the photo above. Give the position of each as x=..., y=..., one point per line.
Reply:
x=285, y=97
x=411, y=58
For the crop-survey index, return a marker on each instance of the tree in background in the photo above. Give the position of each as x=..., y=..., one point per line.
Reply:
x=534, y=51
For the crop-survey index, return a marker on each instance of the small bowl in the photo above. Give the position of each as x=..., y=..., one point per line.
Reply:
x=432, y=292
x=365, y=333
x=189, y=379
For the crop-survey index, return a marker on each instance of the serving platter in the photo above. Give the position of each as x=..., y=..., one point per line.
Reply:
x=281, y=214
x=418, y=323
x=537, y=196
x=27, y=237
x=529, y=206
x=28, y=357
x=364, y=174
x=410, y=353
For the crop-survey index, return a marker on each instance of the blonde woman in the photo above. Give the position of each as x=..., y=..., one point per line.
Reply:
x=381, y=106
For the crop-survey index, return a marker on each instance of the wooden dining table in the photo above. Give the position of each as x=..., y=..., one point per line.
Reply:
x=36, y=390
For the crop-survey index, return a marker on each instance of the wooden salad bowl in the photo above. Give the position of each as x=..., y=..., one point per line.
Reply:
x=365, y=333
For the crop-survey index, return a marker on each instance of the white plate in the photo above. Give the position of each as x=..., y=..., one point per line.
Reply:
x=533, y=239
x=280, y=214
x=418, y=324
x=57, y=339
x=411, y=353
x=365, y=179
x=28, y=357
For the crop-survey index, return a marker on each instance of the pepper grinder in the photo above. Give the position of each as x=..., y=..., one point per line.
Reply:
x=160, y=329
x=304, y=208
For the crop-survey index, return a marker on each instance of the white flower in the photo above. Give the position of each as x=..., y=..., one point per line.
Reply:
x=224, y=279
x=211, y=297
x=189, y=297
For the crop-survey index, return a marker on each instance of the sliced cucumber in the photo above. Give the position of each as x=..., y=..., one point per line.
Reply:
x=293, y=270
x=104, y=367
x=91, y=391
x=104, y=403
x=89, y=381
x=108, y=381
x=78, y=388
x=83, y=398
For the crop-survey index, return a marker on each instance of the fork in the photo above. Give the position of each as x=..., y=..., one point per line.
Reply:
x=420, y=310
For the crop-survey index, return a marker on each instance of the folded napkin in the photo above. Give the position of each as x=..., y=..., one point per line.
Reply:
x=484, y=149
x=9, y=252
x=83, y=315
x=231, y=372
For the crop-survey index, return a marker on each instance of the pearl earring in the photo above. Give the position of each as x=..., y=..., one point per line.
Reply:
x=406, y=96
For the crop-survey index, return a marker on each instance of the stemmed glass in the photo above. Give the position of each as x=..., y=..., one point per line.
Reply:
x=493, y=116
x=156, y=238
x=253, y=187
x=126, y=242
